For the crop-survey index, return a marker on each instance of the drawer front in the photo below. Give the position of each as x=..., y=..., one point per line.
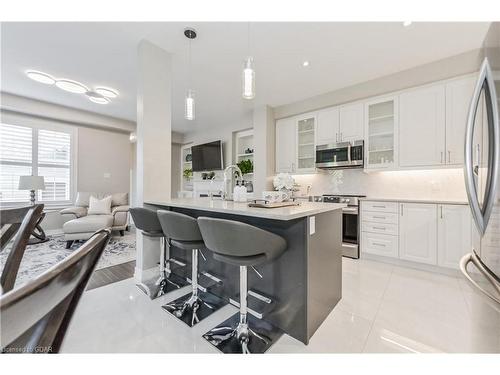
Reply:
x=379, y=217
x=391, y=229
x=379, y=244
x=380, y=206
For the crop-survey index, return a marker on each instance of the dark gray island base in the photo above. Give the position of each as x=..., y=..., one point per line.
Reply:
x=304, y=284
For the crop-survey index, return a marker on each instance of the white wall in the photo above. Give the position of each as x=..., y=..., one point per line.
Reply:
x=447, y=184
x=103, y=161
x=176, y=169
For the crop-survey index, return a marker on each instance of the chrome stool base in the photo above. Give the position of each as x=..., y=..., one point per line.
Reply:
x=232, y=336
x=193, y=309
x=159, y=286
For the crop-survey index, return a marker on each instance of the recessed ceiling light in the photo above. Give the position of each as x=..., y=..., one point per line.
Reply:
x=41, y=77
x=106, y=92
x=406, y=23
x=71, y=86
x=305, y=63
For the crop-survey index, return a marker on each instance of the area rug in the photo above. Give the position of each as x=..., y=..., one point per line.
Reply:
x=40, y=257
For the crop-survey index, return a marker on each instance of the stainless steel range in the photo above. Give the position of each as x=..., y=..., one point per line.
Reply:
x=350, y=222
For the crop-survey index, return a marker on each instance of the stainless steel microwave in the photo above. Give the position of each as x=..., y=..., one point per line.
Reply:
x=340, y=155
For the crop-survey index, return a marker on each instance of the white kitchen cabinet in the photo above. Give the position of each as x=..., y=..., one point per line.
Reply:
x=306, y=143
x=379, y=244
x=422, y=127
x=327, y=130
x=454, y=234
x=418, y=232
x=340, y=124
x=458, y=97
x=285, y=145
x=381, y=131
x=351, y=122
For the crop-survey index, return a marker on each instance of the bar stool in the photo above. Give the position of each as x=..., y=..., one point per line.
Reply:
x=182, y=232
x=242, y=245
x=147, y=222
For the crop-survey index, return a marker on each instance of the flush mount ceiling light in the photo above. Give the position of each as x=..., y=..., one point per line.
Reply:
x=71, y=86
x=41, y=77
x=407, y=23
x=96, y=97
x=101, y=95
x=189, y=102
x=305, y=63
x=106, y=92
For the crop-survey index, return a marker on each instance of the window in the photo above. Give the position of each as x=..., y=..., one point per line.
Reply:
x=41, y=152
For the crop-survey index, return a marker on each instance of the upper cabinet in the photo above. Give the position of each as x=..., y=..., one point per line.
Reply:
x=351, y=122
x=328, y=128
x=340, y=124
x=296, y=144
x=306, y=143
x=422, y=127
x=381, y=133
x=458, y=97
x=285, y=145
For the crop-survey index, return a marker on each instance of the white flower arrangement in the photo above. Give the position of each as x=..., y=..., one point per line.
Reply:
x=283, y=181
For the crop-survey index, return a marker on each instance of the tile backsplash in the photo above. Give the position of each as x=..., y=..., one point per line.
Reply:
x=415, y=184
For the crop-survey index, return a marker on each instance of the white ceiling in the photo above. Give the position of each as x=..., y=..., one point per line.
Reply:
x=340, y=55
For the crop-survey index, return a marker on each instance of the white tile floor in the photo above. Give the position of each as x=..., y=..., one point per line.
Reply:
x=384, y=308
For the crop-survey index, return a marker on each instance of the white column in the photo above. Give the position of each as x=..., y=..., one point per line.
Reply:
x=154, y=133
x=264, y=144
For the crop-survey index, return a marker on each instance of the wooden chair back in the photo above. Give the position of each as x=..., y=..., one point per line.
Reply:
x=18, y=222
x=35, y=316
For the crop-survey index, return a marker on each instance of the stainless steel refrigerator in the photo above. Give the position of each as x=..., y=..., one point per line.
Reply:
x=481, y=267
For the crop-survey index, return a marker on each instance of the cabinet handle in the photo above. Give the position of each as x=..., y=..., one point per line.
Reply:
x=449, y=156
x=378, y=244
x=401, y=209
x=336, y=137
x=441, y=157
x=379, y=217
x=341, y=136
x=378, y=206
x=441, y=212
x=381, y=228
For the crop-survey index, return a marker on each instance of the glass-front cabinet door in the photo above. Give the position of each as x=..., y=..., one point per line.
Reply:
x=381, y=133
x=306, y=143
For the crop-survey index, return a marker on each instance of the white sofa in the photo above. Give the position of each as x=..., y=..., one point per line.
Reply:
x=81, y=226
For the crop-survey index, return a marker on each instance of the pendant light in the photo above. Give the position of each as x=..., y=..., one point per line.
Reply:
x=248, y=76
x=189, y=102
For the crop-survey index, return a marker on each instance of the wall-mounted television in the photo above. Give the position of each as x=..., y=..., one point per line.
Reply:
x=207, y=157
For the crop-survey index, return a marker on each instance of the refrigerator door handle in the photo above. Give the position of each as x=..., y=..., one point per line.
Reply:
x=488, y=274
x=482, y=215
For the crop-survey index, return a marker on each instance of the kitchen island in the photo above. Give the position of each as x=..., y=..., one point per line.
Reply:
x=295, y=292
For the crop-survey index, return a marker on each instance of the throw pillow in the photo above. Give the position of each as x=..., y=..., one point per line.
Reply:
x=99, y=206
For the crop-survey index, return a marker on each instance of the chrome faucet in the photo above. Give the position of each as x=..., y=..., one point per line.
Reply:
x=227, y=194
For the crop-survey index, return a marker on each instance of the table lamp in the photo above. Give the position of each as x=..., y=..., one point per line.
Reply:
x=31, y=183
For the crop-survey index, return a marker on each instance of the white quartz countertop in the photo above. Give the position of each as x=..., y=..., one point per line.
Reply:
x=408, y=200
x=236, y=208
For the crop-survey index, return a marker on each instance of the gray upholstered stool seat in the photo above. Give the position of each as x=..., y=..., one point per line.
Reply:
x=147, y=222
x=241, y=245
x=182, y=232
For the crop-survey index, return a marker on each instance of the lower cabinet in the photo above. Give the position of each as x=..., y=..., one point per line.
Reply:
x=454, y=234
x=418, y=232
x=435, y=234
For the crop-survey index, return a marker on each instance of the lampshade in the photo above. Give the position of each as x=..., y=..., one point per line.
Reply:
x=31, y=183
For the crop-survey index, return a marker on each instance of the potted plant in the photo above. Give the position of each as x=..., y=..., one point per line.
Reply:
x=187, y=173
x=246, y=166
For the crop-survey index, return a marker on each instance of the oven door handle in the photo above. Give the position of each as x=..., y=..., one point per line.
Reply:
x=350, y=211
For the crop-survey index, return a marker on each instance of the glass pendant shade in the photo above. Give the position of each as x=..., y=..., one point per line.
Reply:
x=189, y=106
x=248, y=79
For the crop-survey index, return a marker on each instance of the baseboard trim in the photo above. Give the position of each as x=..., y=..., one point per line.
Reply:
x=141, y=275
